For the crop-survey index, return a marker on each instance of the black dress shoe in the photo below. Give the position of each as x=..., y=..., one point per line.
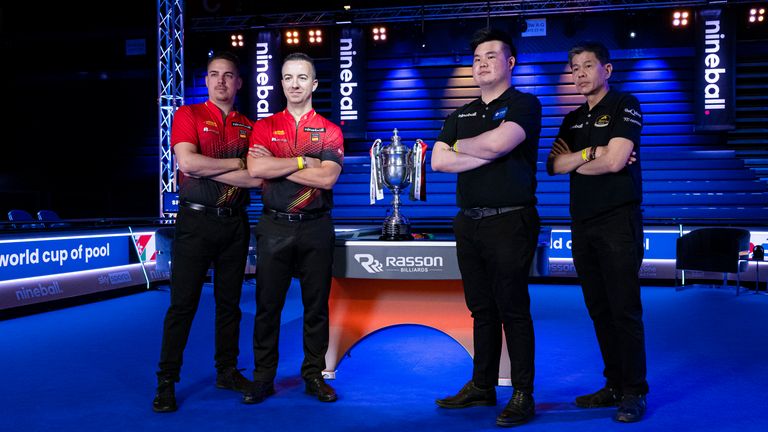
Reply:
x=469, y=396
x=605, y=397
x=317, y=387
x=165, y=396
x=231, y=379
x=258, y=391
x=631, y=409
x=519, y=410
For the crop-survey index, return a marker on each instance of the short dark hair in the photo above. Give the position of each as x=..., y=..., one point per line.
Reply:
x=489, y=34
x=300, y=56
x=596, y=48
x=226, y=55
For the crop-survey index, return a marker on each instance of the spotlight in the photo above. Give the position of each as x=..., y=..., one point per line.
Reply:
x=680, y=19
x=757, y=15
x=632, y=34
x=315, y=36
x=237, y=40
x=292, y=37
x=379, y=33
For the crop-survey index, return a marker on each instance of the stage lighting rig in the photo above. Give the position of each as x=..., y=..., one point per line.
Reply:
x=756, y=15
x=379, y=33
x=237, y=40
x=680, y=19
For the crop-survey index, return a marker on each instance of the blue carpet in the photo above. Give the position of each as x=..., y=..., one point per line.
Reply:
x=91, y=368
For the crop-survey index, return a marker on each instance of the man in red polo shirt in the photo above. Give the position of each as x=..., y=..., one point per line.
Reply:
x=299, y=155
x=210, y=141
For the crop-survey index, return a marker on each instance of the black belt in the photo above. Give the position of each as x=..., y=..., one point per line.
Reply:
x=213, y=211
x=484, y=212
x=294, y=217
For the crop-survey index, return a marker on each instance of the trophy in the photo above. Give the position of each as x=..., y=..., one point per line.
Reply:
x=396, y=167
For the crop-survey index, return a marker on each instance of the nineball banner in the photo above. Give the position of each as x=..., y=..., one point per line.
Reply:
x=265, y=94
x=348, y=100
x=715, y=72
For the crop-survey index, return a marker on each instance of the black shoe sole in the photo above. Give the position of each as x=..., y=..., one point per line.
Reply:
x=622, y=419
x=467, y=405
x=333, y=398
x=502, y=423
x=164, y=409
x=259, y=400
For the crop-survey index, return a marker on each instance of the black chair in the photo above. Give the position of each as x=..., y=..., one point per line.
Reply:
x=50, y=219
x=17, y=215
x=721, y=250
x=164, y=248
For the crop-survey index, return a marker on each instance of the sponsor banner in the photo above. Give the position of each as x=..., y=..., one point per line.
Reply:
x=380, y=260
x=55, y=287
x=715, y=72
x=348, y=95
x=49, y=256
x=145, y=246
x=659, y=243
x=265, y=91
x=170, y=202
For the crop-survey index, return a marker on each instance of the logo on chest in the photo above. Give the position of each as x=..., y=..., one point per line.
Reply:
x=500, y=113
x=603, y=121
x=312, y=129
x=474, y=114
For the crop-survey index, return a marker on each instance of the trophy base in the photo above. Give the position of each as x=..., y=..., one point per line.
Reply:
x=396, y=232
x=396, y=237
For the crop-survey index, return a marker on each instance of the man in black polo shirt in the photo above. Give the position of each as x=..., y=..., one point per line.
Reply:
x=595, y=145
x=492, y=144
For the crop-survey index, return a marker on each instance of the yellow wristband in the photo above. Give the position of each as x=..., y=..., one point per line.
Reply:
x=584, y=155
x=455, y=147
x=300, y=161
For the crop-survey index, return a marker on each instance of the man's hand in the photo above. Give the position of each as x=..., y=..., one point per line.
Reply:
x=310, y=162
x=559, y=147
x=257, y=151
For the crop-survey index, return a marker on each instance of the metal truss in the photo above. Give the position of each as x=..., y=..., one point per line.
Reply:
x=170, y=41
x=432, y=13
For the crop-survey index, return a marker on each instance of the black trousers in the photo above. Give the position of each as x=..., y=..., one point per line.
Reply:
x=200, y=240
x=608, y=252
x=495, y=255
x=304, y=249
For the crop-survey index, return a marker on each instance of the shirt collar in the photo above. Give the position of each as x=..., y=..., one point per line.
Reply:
x=306, y=117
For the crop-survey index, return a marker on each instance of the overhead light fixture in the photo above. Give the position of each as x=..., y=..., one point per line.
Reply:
x=315, y=36
x=292, y=37
x=757, y=15
x=680, y=19
x=379, y=33
x=237, y=40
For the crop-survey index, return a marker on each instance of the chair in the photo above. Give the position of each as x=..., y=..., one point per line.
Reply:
x=50, y=219
x=713, y=250
x=164, y=248
x=17, y=215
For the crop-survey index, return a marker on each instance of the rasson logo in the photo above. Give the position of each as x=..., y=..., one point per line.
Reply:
x=369, y=263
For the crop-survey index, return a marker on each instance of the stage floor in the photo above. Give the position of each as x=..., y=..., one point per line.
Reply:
x=91, y=368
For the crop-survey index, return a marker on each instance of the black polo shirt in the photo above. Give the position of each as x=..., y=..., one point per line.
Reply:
x=616, y=115
x=511, y=179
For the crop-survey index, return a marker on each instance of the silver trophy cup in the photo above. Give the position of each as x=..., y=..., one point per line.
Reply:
x=395, y=169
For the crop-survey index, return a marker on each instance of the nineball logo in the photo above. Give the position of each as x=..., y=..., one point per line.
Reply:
x=347, y=85
x=369, y=263
x=262, y=80
x=712, y=36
